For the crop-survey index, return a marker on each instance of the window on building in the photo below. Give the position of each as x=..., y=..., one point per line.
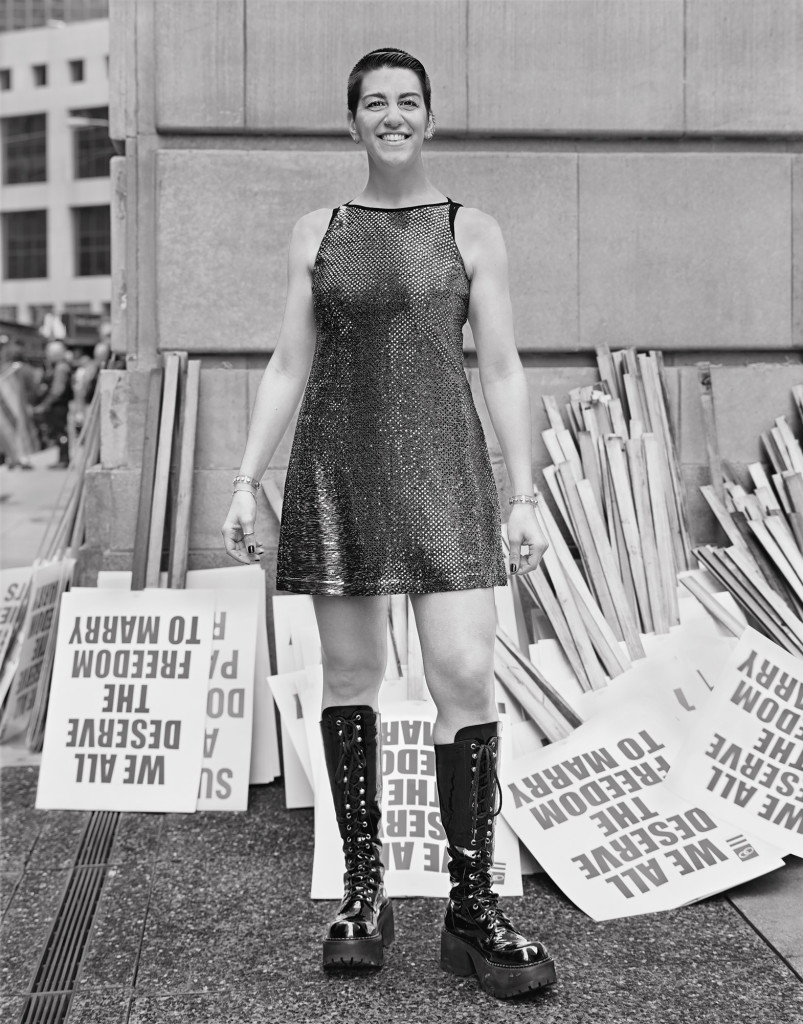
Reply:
x=92, y=233
x=76, y=71
x=8, y=313
x=92, y=146
x=38, y=313
x=24, y=244
x=24, y=142
x=40, y=74
x=5, y=79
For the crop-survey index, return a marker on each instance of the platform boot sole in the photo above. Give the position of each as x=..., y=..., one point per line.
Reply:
x=368, y=952
x=460, y=958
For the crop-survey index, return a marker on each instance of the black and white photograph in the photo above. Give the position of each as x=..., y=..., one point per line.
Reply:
x=401, y=511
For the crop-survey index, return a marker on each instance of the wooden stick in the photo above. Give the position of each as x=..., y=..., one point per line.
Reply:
x=146, y=483
x=553, y=413
x=627, y=516
x=710, y=427
x=641, y=500
x=596, y=575
x=162, y=473
x=545, y=596
x=593, y=670
x=625, y=611
x=600, y=631
x=710, y=603
x=179, y=546
x=659, y=502
x=512, y=652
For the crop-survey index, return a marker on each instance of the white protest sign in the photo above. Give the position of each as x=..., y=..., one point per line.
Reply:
x=47, y=585
x=229, y=704
x=292, y=612
x=13, y=592
x=264, y=765
x=125, y=723
x=264, y=744
x=743, y=756
x=595, y=810
x=414, y=843
x=286, y=690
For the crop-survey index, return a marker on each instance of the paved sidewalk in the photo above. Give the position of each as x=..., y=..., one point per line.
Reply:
x=205, y=919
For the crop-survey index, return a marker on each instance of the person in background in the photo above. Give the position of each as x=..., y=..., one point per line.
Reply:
x=19, y=387
x=50, y=414
x=84, y=381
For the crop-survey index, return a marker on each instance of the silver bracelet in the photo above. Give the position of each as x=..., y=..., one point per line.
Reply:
x=242, y=490
x=531, y=499
x=251, y=481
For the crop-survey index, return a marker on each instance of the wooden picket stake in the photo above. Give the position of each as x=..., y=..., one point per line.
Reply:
x=659, y=502
x=641, y=500
x=182, y=505
x=592, y=667
x=553, y=413
x=710, y=603
x=513, y=657
x=147, y=477
x=601, y=631
x=627, y=516
x=545, y=596
x=595, y=573
x=162, y=471
x=625, y=611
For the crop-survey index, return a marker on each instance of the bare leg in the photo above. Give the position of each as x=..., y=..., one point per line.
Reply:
x=353, y=633
x=457, y=629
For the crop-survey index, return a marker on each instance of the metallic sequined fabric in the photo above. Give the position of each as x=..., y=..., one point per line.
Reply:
x=389, y=486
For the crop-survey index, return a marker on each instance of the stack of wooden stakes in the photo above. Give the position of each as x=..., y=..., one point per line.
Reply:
x=167, y=458
x=615, y=481
x=763, y=567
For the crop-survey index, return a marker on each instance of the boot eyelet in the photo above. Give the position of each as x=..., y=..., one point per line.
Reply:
x=362, y=778
x=357, y=718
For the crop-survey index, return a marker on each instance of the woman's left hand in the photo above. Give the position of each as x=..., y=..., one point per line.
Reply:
x=523, y=529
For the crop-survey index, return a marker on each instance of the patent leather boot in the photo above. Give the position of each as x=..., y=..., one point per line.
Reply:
x=364, y=923
x=477, y=938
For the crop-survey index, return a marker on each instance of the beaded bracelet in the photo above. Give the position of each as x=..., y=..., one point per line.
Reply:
x=531, y=499
x=246, y=480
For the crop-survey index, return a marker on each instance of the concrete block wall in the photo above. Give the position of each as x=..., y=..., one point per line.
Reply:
x=643, y=157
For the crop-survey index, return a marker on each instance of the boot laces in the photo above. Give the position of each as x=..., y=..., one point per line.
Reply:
x=362, y=877
x=485, y=788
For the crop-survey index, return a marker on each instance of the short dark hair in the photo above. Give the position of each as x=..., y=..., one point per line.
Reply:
x=386, y=57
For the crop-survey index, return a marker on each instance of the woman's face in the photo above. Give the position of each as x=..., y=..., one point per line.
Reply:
x=391, y=116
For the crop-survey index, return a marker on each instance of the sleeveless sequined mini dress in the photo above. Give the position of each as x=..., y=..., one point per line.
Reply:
x=389, y=486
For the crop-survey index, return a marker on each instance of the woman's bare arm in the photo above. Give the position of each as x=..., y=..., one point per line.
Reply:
x=504, y=384
x=282, y=384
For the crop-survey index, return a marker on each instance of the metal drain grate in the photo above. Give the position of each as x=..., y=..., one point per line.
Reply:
x=48, y=1001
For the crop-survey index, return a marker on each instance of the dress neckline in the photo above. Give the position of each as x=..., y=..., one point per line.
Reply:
x=390, y=209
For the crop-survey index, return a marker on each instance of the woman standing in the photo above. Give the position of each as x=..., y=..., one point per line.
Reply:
x=389, y=490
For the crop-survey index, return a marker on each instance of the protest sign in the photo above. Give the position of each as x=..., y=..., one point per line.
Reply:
x=48, y=581
x=250, y=580
x=414, y=843
x=264, y=739
x=226, y=763
x=14, y=584
x=125, y=724
x=596, y=812
x=291, y=612
x=743, y=755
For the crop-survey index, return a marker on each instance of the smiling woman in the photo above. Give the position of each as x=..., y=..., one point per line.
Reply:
x=389, y=490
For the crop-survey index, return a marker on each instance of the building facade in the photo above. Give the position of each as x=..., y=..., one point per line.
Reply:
x=55, y=199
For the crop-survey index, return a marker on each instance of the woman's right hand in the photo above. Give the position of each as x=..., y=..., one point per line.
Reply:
x=238, y=530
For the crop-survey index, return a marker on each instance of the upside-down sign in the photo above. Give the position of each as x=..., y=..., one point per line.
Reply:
x=125, y=723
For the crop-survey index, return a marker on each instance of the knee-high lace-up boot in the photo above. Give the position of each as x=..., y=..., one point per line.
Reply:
x=364, y=922
x=477, y=937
